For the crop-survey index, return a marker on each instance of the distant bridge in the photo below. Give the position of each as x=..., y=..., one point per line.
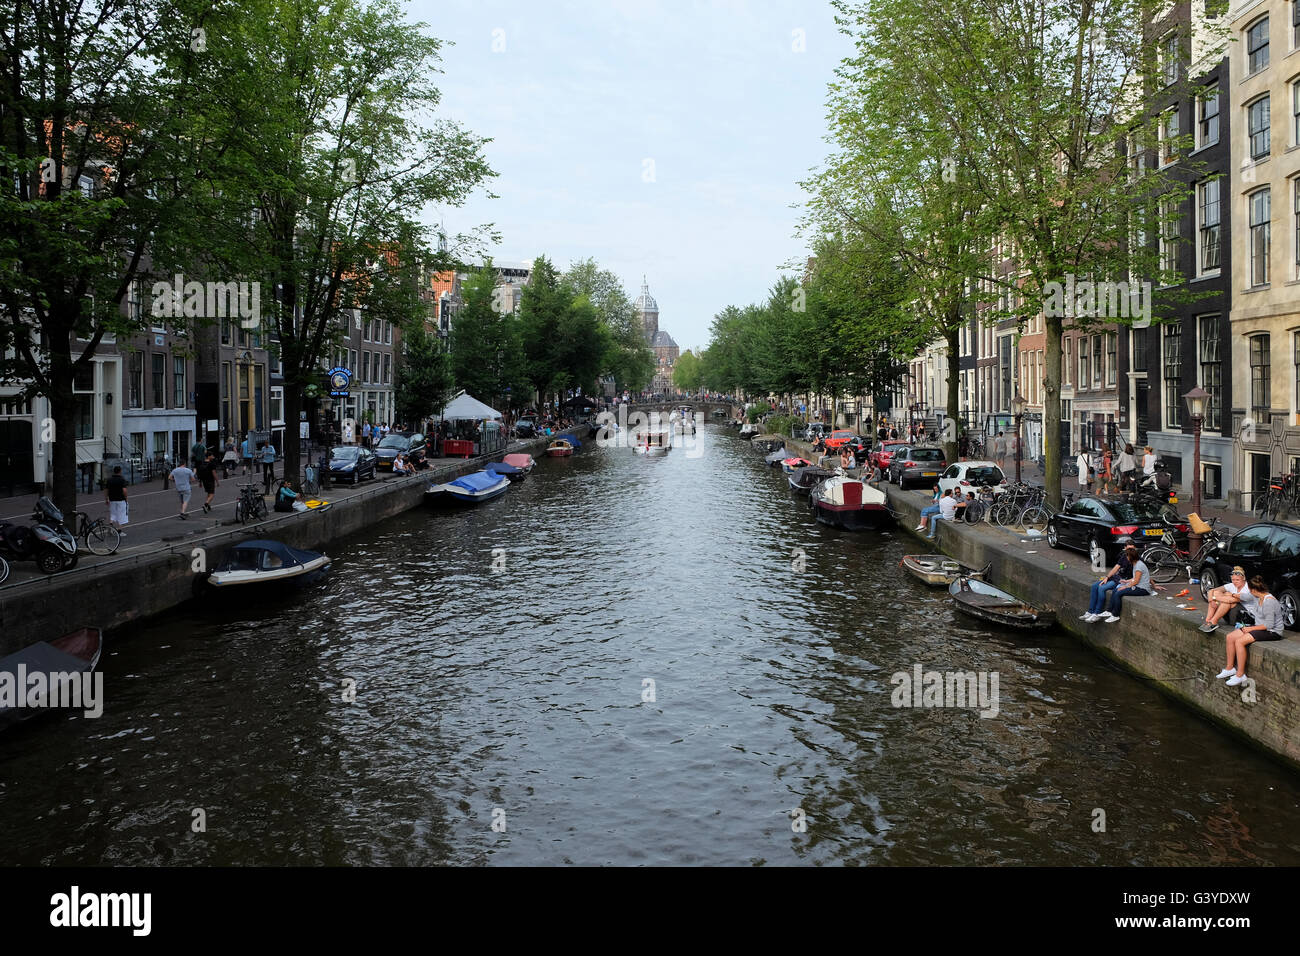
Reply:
x=712, y=411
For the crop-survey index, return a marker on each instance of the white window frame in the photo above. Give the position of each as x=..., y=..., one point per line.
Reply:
x=1199, y=209
x=1202, y=116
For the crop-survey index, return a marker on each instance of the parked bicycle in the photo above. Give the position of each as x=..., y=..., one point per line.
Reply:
x=1035, y=517
x=311, y=481
x=97, y=536
x=1167, y=560
x=1281, y=490
x=250, y=506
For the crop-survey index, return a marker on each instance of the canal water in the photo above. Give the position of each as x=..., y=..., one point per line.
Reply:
x=624, y=661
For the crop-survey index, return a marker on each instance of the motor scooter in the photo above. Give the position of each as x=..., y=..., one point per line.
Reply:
x=47, y=542
x=1158, y=484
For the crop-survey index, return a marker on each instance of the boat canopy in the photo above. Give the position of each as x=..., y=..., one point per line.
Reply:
x=518, y=461
x=264, y=555
x=477, y=481
x=501, y=468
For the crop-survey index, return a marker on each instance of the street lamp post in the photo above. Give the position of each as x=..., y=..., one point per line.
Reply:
x=1018, y=409
x=1196, y=399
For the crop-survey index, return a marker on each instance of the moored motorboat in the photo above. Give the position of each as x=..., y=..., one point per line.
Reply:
x=523, y=462
x=560, y=448
x=766, y=444
x=472, y=489
x=774, y=458
x=749, y=430
x=847, y=503
x=938, y=570
x=257, y=565
x=981, y=600
x=804, y=480
x=510, y=471
x=790, y=465
x=77, y=652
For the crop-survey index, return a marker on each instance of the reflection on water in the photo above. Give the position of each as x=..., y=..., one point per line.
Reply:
x=523, y=698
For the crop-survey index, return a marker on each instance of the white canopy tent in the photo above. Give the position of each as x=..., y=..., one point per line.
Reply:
x=466, y=406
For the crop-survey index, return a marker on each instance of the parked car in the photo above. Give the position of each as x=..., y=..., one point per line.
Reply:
x=861, y=446
x=1269, y=549
x=916, y=463
x=351, y=463
x=884, y=451
x=526, y=428
x=411, y=444
x=1101, y=527
x=839, y=438
x=967, y=476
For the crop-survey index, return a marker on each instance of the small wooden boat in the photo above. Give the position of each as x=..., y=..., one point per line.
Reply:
x=766, y=444
x=847, y=503
x=560, y=448
x=471, y=489
x=804, y=480
x=74, y=653
x=524, y=463
x=791, y=465
x=774, y=458
x=939, y=570
x=982, y=600
x=749, y=430
x=257, y=565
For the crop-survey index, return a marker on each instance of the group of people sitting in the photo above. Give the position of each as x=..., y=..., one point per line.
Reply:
x=947, y=506
x=1128, y=578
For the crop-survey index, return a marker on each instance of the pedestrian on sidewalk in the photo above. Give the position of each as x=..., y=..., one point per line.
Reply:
x=1084, y=464
x=115, y=498
x=181, y=475
x=268, y=465
x=230, y=461
x=999, y=449
x=1127, y=465
x=207, y=473
x=365, y=435
x=198, y=452
x=246, y=450
x=1107, y=475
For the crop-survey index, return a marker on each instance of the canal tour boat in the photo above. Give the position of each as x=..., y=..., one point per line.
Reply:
x=939, y=570
x=74, y=653
x=472, y=489
x=683, y=419
x=266, y=565
x=981, y=600
x=653, y=440
x=849, y=504
x=523, y=462
x=560, y=448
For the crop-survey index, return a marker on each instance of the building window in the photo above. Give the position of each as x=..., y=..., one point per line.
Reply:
x=1296, y=188
x=1172, y=363
x=1207, y=130
x=1296, y=337
x=87, y=186
x=1169, y=137
x=159, y=380
x=159, y=444
x=1067, y=366
x=1257, y=123
x=1137, y=158
x=365, y=366
x=1112, y=357
x=1084, y=379
x=178, y=382
x=1211, y=370
x=1259, y=236
x=135, y=380
x=1207, y=238
x=388, y=333
x=277, y=404
x=1169, y=230
x=1097, y=346
x=1260, y=383
x=365, y=334
x=1295, y=111
x=83, y=396
x=1257, y=46
x=388, y=369
x=1169, y=58
x=1295, y=24
x=1138, y=351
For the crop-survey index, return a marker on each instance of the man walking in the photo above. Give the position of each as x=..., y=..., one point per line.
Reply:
x=246, y=451
x=999, y=448
x=115, y=498
x=365, y=435
x=207, y=473
x=268, y=466
x=181, y=475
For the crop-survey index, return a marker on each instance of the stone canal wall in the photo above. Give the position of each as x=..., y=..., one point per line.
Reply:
x=1153, y=639
x=115, y=592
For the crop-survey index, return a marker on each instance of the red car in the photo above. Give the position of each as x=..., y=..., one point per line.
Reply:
x=839, y=438
x=884, y=453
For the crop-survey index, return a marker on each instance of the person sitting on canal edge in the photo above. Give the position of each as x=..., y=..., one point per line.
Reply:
x=846, y=459
x=929, y=510
x=1122, y=571
x=947, y=512
x=207, y=472
x=1268, y=626
x=1136, y=586
x=268, y=465
x=115, y=498
x=181, y=475
x=1233, y=600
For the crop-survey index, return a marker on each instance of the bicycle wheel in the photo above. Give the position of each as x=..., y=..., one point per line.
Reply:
x=999, y=513
x=1262, y=504
x=259, y=509
x=102, y=538
x=241, y=512
x=1035, y=519
x=4, y=570
x=1162, y=562
x=974, y=512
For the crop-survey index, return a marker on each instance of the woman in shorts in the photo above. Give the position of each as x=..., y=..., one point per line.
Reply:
x=1268, y=626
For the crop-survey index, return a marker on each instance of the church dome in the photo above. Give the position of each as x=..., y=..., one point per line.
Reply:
x=645, y=302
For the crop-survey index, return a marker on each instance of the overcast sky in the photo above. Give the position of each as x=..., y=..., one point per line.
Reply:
x=665, y=138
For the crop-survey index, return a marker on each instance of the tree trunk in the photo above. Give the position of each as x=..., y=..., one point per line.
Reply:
x=1052, y=410
x=954, y=380
x=63, y=410
x=292, y=443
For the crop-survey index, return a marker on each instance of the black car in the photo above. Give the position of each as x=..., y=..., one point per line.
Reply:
x=861, y=446
x=351, y=463
x=916, y=463
x=1101, y=527
x=411, y=444
x=526, y=428
x=1269, y=549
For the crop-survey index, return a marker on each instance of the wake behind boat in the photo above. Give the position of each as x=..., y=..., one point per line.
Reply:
x=471, y=489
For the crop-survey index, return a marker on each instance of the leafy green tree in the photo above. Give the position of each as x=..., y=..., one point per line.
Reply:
x=628, y=359
x=424, y=376
x=686, y=372
x=486, y=353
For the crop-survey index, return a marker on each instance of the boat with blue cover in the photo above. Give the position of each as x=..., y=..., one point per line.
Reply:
x=472, y=489
x=254, y=565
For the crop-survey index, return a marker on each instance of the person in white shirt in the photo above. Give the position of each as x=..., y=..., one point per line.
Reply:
x=947, y=510
x=1149, y=462
x=1224, y=600
x=1127, y=465
x=1084, y=464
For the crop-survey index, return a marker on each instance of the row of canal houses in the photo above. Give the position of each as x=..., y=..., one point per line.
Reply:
x=1238, y=249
